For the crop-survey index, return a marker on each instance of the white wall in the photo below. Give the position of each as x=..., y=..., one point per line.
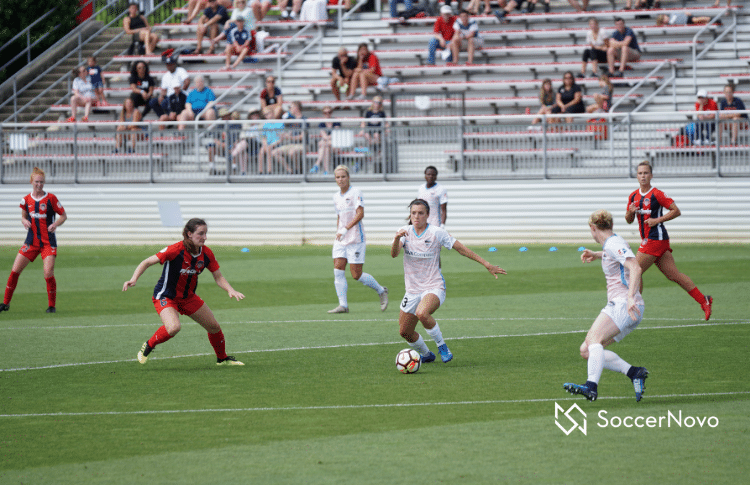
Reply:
x=490, y=212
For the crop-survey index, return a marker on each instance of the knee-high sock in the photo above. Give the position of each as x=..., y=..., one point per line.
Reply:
x=614, y=362
x=436, y=334
x=217, y=342
x=11, y=287
x=159, y=337
x=697, y=295
x=596, y=362
x=419, y=346
x=51, y=290
x=339, y=281
x=367, y=280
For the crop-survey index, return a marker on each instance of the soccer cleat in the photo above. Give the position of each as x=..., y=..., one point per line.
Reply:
x=4, y=307
x=583, y=390
x=445, y=354
x=639, y=382
x=228, y=360
x=143, y=354
x=707, y=306
x=428, y=357
x=51, y=310
x=384, y=300
x=339, y=309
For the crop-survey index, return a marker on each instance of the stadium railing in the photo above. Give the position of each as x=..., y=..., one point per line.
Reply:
x=605, y=145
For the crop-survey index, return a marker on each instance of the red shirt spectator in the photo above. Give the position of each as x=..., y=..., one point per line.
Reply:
x=445, y=27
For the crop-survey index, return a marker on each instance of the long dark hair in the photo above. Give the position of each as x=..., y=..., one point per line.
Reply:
x=418, y=201
x=134, y=70
x=191, y=226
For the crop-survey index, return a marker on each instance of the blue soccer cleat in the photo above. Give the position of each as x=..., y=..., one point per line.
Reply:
x=587, y=390
x=428, y=357
x=639, y=382
x=445, y=354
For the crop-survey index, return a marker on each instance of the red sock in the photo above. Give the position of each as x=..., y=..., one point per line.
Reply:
x=12, y=282
x=697, y=295
x=159, y=337
x=51, y=290
x=217, y=342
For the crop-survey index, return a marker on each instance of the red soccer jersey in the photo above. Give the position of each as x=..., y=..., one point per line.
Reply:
x=41, y=214
x=650, y=205
x=444, y=28
x=179, y=277
x=372, y=62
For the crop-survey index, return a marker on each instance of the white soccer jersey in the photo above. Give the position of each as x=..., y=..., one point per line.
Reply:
x=435, y=196
x=346, y=208
x=169, y=79
x=614, y=253
x=422, y=258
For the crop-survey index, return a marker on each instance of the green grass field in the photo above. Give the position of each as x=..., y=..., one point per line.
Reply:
x=320, y=401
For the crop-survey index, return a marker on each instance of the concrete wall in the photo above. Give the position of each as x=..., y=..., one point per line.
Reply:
x=491, y=212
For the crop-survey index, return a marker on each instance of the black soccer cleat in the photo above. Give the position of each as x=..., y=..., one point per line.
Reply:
x=51, y=310
x=4, y=307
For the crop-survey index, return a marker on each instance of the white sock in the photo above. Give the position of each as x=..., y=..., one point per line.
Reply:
x=367, y=280
x=436, y=334
x=339, y=281
x=613, y=362
x=596, y=362
x=420, y=346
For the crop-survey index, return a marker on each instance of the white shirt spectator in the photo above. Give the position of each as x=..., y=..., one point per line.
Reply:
x=84, y=87
x=600, y=38
x=169, y=79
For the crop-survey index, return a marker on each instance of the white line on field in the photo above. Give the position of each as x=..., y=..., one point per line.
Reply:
x=360, y=406
x=368, y=344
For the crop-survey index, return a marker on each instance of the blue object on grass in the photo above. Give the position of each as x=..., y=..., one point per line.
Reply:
x=582, y=248
x=492, y=249
x=245, y=250
x=552, y=249
x=524, y=248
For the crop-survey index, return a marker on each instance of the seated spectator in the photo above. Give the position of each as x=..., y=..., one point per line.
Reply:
x=95, y=77
x=506, y=7
x=342, y=69
x=240, y=43
x=199, y=103
x=375, y=125
x=210, y=24
x=624, y=45
x=366, y=73
x=292, y=146
x=473, y=6
x=260, y=8
x=239, y=11
x=83, y=95
x=174, y=104
x=547, y=99
x=699, y=132
x=580, y=7
x=250, y=142
x=728, y=106
x=442, y=35
x=325, y=142
x=128, y=113
x=271, y=100
x=466, y=29
x=136, y=25
x=569, y=97
x=174, y=75
x=228, y=136
x=291, y=14
x=603, y=100
x=408, y=4
x=142, y=86
x=598, y=42
x=682, y=18
x=729, y=3
x=271, y=138
x=194, y=8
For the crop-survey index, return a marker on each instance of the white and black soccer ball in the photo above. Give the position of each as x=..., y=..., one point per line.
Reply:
x=408, y=361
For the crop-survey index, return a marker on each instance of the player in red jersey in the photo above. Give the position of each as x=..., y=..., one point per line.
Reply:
x=174, y=294
x=38, y=211
x=647, y=204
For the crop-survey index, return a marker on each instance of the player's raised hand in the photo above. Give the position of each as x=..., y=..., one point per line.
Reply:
x=496, y=270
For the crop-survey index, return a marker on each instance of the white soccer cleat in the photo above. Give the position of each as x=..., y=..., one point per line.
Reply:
x=339, y=309
x=384, y=299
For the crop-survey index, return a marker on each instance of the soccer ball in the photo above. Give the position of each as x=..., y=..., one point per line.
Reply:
x=408, y=361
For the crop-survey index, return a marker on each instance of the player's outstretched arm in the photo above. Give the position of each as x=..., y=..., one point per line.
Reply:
x=224, y=285
x=150, y=261
x=464, y=251
x=588, y=256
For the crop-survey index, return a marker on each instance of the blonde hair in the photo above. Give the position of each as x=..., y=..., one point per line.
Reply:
x=342, y=167
x=601, y=219
x=662, y=19
x=36, y=171
x=645, y=163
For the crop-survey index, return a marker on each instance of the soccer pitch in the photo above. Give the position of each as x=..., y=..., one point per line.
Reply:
x=320, y=401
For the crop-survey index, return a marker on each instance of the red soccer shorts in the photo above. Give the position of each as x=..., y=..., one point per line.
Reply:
x=31, y=252
x=185, y=306
x=654, y=248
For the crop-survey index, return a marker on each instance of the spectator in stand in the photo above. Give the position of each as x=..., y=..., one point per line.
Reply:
x=200, y=99
x=240, y=10
x=250, y=142
x=136, y=25
x=271, y=100
x=442, y=35
x=729, y=105
x=141, y=86
x=260, y=8
x=603, y=100
x=580, y=7
x=210, y=24
x=699, y=133
x=128, y=113
x=597, y=41
x=83, y=94
x=95, y=77
x=408, y=4
x=292, y=146
x=506, y=7
x=465, y=29
x=622, y=45
x=729, y=3
x=272, y=130
x=342, y=69
x=547, y=99
x=325, y=142
x=569, y=97
x=373, y=128
x=682, y=18
x=291, y=14
x=366, y=73
x=227, y=137
x=194, y=8
x=240, y=42
x=174, y=104
x=174, y=75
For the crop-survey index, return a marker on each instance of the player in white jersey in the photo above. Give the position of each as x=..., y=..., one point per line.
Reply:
x=425, y=285
x=349, y=244
x=435, y=195
x=622, y=314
